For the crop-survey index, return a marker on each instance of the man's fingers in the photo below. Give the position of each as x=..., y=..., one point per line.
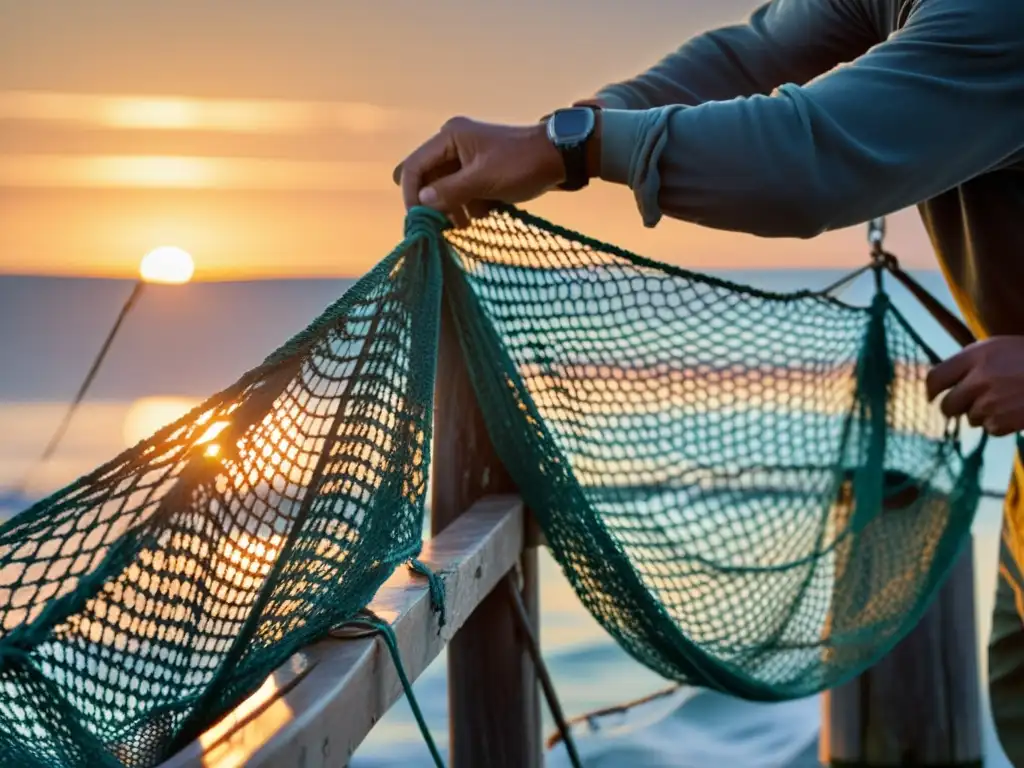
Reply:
x=962, y=397
x=948, y=373
x=436, y=151
x=1002, y=422
x=453, y=192
x=981, y=410
x=439, y=171
x=996, y=428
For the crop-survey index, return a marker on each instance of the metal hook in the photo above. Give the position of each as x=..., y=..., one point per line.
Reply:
x=876, y=234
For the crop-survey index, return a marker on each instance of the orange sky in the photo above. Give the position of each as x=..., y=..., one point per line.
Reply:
x=262, y=140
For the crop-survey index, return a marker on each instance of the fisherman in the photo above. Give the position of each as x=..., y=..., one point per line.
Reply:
x=812, y=116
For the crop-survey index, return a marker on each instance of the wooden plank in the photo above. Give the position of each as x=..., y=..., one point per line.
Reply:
x=920, y=705
x=496, y=724
x=349, y=684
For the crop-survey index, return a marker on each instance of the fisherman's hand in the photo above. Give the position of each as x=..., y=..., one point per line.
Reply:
x=985, y=382
x=468, y=165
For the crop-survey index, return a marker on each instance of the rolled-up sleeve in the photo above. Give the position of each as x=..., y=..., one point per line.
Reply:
x=939, y=102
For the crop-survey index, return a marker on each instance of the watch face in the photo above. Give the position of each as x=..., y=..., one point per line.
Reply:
x=571, y=126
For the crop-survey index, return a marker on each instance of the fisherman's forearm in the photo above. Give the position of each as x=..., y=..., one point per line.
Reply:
x=880, y=134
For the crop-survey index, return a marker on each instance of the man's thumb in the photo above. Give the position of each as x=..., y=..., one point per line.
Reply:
x=450, y=192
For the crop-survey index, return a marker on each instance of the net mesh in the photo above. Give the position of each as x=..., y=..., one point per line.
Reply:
x=145, y=600
x=749, y=491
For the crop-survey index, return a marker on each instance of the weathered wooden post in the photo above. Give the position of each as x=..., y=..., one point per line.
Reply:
x=920, y=705
x=493, y=699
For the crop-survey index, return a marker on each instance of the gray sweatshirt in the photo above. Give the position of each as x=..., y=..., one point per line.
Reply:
x=762, y=128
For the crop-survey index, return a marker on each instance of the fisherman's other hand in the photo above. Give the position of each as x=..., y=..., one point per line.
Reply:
x=468, y=165
x=985, y=382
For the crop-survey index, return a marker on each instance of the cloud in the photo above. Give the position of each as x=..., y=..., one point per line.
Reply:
x=190, y=172
x=179, y=113
x=299, y=120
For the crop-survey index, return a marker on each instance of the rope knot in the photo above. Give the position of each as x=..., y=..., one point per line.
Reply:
x=436, y=586
x=421, y=221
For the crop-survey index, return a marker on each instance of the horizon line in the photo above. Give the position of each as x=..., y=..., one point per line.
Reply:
x=221, y=276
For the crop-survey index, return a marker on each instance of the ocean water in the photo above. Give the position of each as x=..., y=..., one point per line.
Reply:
x=182, y=343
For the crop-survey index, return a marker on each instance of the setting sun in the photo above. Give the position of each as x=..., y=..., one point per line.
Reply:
x=167, y=264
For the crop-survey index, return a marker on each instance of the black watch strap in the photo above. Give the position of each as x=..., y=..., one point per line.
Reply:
x=575, y=160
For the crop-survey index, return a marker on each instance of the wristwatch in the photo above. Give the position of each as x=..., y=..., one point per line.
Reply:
x=569, y=129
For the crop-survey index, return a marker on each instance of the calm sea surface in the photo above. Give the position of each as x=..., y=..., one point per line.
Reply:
x=183, y=343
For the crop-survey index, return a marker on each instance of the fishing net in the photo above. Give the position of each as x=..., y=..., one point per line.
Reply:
x=748, y=490
x=146, y=599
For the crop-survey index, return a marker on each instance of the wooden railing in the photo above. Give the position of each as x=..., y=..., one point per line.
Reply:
x=318, y=708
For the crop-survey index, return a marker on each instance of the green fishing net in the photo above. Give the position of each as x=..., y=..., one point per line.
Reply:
x=749, y=491
x=145, y=600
